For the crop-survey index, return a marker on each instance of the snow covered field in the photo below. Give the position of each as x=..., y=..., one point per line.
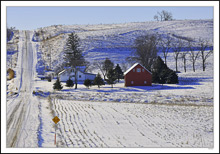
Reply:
x=100, y=124
x=172, y=115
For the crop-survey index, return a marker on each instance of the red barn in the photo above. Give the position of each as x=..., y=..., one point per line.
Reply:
x=138, y=75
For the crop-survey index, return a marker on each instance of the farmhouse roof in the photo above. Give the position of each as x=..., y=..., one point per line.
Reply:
x=79, y=70
x=61, y=72
x=135, y=66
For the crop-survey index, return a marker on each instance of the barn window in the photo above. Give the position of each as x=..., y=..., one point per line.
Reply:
x=133, y=70
x=142, y=70
x=132, y=82
x=138, y=70
x=145, y=82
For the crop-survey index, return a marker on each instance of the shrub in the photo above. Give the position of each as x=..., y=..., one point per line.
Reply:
x=57, y=85
x=69, y=83
x=98, y=80
x=88, y=83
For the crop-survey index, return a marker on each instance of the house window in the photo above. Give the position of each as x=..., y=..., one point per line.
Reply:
x=79, y=76
x=132, y=82
x=138, y=70
x=145, y=82
x=133, y=70
x=142, y=70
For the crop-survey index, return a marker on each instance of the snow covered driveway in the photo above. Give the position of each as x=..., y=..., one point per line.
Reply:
x=101, y=124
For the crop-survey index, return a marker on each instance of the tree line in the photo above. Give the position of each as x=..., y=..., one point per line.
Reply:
x=148, y=46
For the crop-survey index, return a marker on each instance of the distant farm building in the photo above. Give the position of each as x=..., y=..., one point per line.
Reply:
x=10, y=74
x=70, y=73
x=138, y=75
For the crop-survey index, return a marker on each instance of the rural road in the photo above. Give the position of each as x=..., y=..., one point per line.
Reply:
x=21, y=123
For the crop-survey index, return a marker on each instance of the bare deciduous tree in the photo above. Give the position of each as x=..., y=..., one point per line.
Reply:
x=107, y=65
x=124, y=66
x=177, y=47
x=167, y=16
x=156, y=17
x=204, y=44
x=99, y=65
x=104, y=66
x=193, y=53
x=164, y=16
x=183, y=56
x=146, y=50
x=165, y=47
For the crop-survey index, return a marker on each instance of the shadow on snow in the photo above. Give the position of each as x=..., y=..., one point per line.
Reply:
x=128, y=89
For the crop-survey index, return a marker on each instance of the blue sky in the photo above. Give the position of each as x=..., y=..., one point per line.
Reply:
x=25, y=18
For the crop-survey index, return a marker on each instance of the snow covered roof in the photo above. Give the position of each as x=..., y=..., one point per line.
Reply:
x=61, y=72
x=135, y=66
x=78, y=70
x=89, y=73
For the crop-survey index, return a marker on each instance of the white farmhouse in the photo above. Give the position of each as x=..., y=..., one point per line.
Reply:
x=70, y=73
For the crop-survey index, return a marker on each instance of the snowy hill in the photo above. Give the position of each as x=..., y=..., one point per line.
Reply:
x=115, y=41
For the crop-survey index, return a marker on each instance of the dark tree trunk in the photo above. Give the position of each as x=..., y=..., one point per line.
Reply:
x=185, y=64
x=176, y=65
x=203, y=65
x=194, y=67
x=75, y=79
x=165, y=58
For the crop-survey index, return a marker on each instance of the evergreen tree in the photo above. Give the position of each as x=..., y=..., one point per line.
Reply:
x=57, y=85
x=155, y=77
x=159, y=65
x=118, y=72
x=162, y=74
x=98, y=80
x=172, y=77
x=69, y=83
x=73, y=54
x=111, y=77
x=88, y=83
x=162, y=77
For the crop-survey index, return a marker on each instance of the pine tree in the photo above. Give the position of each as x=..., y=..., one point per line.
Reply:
x=172, y=77
x=118, y=72
x=98, y=80
x=69, y=83
x=88, y=83
x=162, y=74
x=111, y=77
x=162, y=77
x=159, y=65
x=73, y=54
x=57, y=85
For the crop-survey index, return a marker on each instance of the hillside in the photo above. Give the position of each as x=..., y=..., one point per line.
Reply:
x=115, y=41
